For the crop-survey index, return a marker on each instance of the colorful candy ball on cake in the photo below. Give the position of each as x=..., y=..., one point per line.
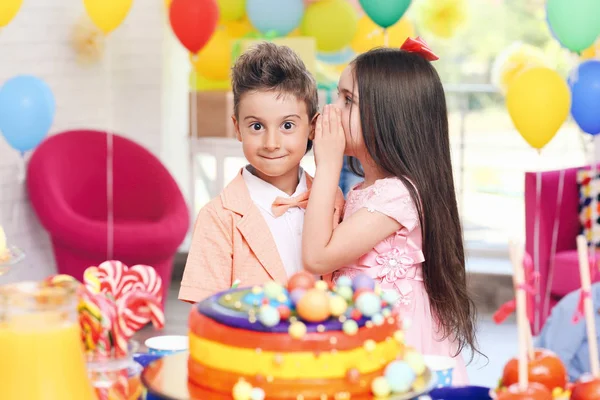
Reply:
x=337, y=305
x=297, y=330
x=268, y=315
x=363, y=281
x=314, y=306
x=296, y=295
x=368, y=304
x=301, y=280
x=344, y=281
x=380, y=387
x=377, y=319
x=242, y=390
x=350, y=327
x=273, y=290
x=400, y=376
x=345, y=291
x=284, y=312
x=257, y=394
x=415, y=361
x=321, y=285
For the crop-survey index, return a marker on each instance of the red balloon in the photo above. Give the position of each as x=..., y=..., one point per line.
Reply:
x=194, y=22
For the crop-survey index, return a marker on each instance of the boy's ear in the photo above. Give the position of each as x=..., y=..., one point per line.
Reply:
x=313, y=125
x=236, y=128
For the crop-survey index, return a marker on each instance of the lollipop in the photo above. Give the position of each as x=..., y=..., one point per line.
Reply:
x=135, y=294
x=588, y=387
x=4, y=253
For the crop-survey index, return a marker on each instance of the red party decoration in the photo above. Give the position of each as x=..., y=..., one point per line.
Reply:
x=194, y=22
x=301, y=280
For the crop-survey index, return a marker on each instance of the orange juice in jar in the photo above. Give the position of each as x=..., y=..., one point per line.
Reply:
x=41, y=351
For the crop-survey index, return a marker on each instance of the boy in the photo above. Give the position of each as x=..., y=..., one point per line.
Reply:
x=251, y=233
x=569, y=339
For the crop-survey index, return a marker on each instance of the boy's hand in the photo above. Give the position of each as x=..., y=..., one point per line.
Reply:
x=330, y=140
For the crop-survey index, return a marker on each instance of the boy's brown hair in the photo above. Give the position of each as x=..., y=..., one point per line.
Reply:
x=270, y=67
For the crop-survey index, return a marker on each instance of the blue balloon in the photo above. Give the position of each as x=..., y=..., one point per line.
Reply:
x=27, y=109
x=278, y=16
x=585, y=96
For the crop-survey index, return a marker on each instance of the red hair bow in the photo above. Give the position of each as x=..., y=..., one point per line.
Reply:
x=419, y=46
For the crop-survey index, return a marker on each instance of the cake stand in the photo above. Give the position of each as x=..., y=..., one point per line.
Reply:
x=167, y=379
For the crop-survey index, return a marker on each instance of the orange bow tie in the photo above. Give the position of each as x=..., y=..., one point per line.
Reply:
x=282, y=204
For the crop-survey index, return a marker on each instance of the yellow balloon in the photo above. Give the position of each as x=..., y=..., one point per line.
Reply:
x=8, y=10
x=515, y=59
x=237, y=29
x=231, y=10
x=370, y=35
x=214, y=60
x=332, y=23
x=592, y=52
x=442, y=17
x=538, y=101
x=199, y=83
x=107, y=14
x=167, y=3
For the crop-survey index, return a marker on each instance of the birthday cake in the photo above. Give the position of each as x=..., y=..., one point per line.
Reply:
x=304, y=341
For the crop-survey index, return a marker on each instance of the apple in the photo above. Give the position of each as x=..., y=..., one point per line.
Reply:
x=586, y=388
x=535, y=391
x=545, y=368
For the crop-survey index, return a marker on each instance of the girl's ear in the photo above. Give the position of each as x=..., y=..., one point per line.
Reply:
x=313, y=125
x=236, y=128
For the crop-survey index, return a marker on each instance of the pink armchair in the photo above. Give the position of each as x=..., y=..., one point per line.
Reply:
x=566, y=266
x=66, y=180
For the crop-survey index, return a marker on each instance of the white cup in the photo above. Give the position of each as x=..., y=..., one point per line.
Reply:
x=443, y=367
x=164, y=345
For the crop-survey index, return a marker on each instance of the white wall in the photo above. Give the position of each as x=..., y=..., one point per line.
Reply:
x=37, y=42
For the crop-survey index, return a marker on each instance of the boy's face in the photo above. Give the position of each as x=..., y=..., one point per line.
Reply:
x=274, y=130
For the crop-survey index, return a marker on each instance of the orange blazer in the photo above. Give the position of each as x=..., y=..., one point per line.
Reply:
x=232, y=241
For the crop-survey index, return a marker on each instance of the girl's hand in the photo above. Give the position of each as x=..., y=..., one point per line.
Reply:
x=330, y=140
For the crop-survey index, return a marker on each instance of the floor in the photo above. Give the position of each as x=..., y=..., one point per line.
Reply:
x=497, y=342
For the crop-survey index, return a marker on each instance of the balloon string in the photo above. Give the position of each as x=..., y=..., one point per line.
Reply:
x=555, y=228
x=386, y=38
x=536, y=245
x=194, y=115
x=109, y=159
x=594, y=192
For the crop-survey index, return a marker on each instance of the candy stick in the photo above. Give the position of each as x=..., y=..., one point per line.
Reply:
x=588, y=307
x=516, y=258
x=530, y=349
x=236, y=283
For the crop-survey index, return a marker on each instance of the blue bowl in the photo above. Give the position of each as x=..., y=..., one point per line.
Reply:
x=461, y=392
x=144, y=359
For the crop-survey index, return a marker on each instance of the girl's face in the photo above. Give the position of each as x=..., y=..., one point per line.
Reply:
x=347, y=101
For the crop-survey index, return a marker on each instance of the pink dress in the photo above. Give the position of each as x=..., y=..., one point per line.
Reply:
x=396, y=263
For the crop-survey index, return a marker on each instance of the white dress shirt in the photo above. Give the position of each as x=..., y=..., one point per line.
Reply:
x=287, y=229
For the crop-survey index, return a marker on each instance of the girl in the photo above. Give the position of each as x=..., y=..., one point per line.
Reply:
x=401, y=225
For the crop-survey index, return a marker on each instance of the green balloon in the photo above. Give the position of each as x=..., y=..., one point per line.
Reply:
x=574, y=23
x=385, y=13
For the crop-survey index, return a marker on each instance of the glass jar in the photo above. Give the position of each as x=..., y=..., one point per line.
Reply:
x=41, y=351
x=11, y=257
x=116, y=376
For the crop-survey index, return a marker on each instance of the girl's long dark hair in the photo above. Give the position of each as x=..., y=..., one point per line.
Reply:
x=404, y=122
